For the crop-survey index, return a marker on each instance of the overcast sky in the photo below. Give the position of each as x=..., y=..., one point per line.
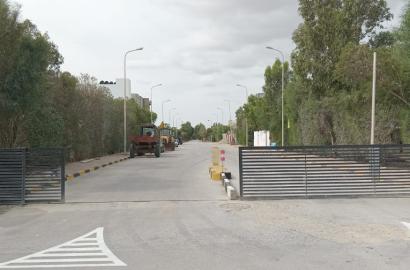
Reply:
x=198, y=49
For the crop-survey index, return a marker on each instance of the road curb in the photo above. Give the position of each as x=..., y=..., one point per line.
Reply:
x=229, y=188
x=69, y=177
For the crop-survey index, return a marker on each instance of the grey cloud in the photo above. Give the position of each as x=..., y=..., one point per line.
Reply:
x=198, y=49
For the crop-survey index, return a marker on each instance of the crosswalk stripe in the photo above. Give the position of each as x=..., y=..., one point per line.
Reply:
x=406, y=224
x=70, y=255
x=88, y=250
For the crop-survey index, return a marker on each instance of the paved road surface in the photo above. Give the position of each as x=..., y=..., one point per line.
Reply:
x=178, y=175
x=166, y=214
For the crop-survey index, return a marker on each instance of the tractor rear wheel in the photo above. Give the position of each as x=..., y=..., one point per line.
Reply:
x=157, y=151
x=132, y=151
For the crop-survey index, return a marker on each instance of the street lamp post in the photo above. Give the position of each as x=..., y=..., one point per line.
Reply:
x=230, y=116
x=222, y=113
x=246, y=118
x=169, y=114
x=165, y=101
x=157, y=85
x=125, y=95
x=173, y=119
x=210, y=127
x=283, y=82
x=221, y=127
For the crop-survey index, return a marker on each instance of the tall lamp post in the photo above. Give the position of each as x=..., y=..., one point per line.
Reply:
x=165, y=101
x=246, y=118
x=210, y=126
x=222, y=113
x=169, y=114
x=283, y=82
x=173, y=119
x=222, y=121
x=157, y=85
x=230, y=116
x=125, y=95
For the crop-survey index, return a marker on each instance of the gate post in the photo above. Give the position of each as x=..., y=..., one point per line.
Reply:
x=240, y=173
x=23, y=154
x=306, y=191
x=375, y=165
x=62, y=163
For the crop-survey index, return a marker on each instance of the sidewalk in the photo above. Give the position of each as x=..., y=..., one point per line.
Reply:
x=78, y=168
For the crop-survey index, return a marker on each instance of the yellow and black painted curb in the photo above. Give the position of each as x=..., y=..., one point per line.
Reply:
x=82, y=172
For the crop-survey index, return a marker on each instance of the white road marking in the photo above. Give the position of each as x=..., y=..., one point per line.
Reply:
x=406, y=224
x=71, y=254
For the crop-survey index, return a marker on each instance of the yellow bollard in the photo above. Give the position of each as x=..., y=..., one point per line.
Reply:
x=216, y=168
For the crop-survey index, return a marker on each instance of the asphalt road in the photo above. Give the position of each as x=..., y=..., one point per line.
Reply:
x=166, y=214
x=178, y=175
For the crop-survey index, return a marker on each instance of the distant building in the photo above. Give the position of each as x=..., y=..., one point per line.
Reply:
x=146, y=103
x=260, y=95
x=138, y=99
x=117, y=88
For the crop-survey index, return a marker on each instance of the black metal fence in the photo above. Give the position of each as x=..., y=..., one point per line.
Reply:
x=31, y=175
x=325, y=171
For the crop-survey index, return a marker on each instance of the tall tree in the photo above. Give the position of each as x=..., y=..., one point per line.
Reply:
x=186, y=131
x=26, y=58
x=200, y=132
x=326, y=29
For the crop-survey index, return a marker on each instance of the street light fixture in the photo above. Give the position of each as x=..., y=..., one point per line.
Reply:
x=210, y=126
x=222, y=112
x=246, y=118
x=169, y=114
x=125, y=95
x=230, y=116
x=157, y=85
x=283, y=80
x=229, y=109
x=173, y=119
x=165, y=101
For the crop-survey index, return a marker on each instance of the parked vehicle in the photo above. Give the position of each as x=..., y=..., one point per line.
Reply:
x=167, y=138
x=147, y=141
x=179, y=140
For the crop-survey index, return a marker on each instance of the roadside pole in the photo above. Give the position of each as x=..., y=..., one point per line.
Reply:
x=125, y=95
x=373, y=99
x=157, y=85
x=246, y=118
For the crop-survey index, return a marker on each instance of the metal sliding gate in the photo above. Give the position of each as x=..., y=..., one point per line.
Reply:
x=324, y=171
x=31, y=175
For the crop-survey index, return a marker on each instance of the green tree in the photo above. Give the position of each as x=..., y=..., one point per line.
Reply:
x=27, y=57
x=186, y=131
x=328, y=26
x=327, y=31
x=200, y=132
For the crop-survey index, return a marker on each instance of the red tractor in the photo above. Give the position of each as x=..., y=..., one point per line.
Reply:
x=148, y=141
